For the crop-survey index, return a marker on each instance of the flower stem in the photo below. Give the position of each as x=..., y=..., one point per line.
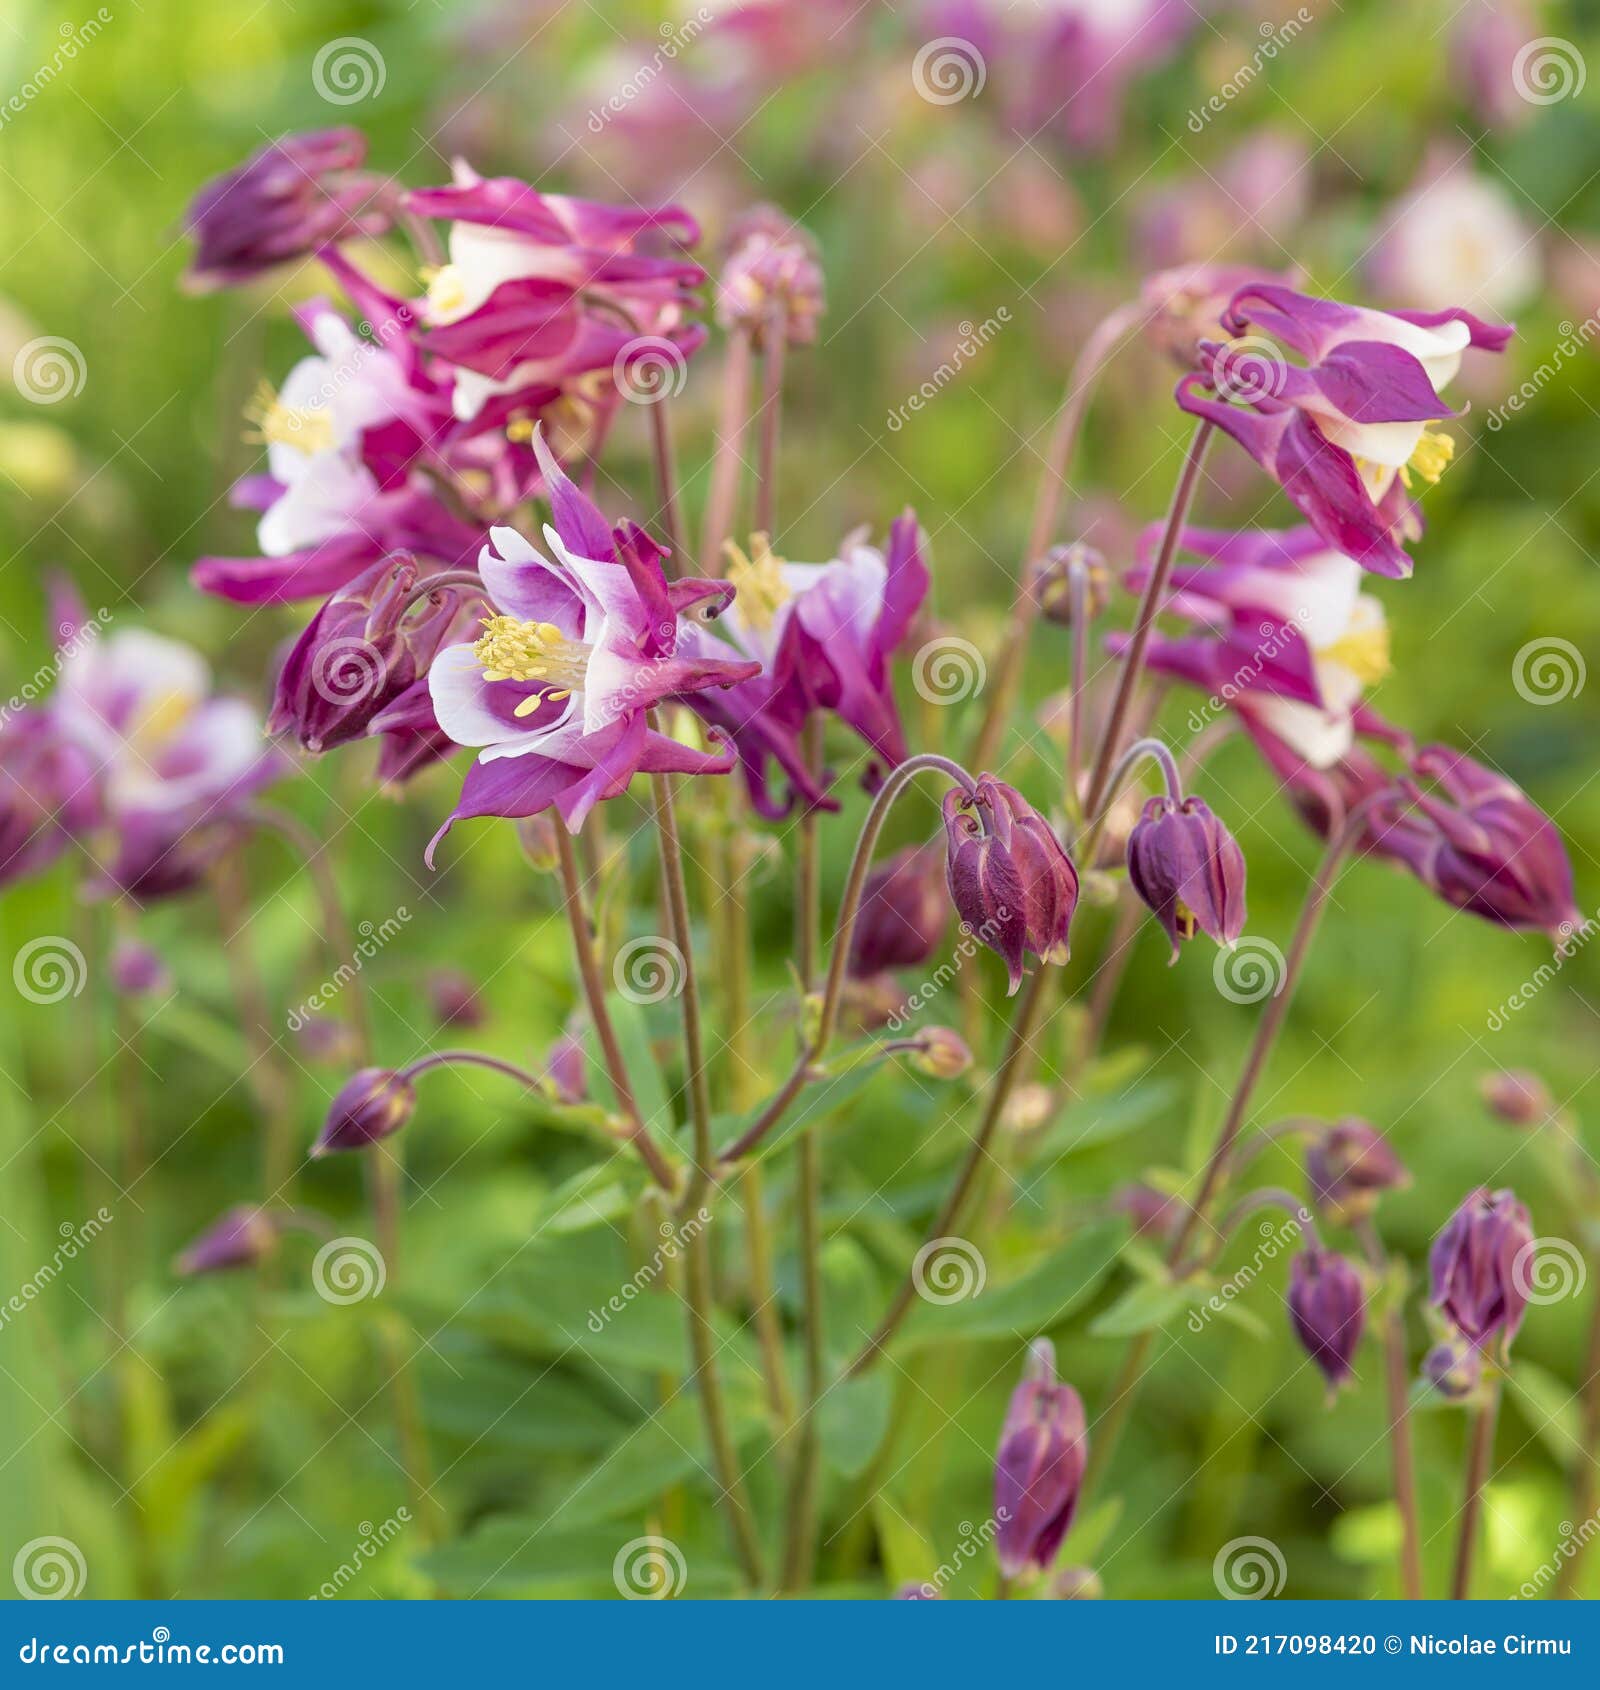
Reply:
x=1480, y=1456
x=773, y=340
x=727, y=462
x=667, y=483
x=1149, y=606
x=1022, y=1026
x=480, y=1059
x=1397, y=1380
x=1075, y=397
x=702, y=1336
x=594, y=992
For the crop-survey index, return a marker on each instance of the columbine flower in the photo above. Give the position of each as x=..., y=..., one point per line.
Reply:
x=46, y=792
x=240, y=1237
x=138, y=970
x=1349, y=1165
x=1342, y=432
x=1010, y=877
x=370, y=1105
x=823, y=635
x=1044, y=1447
x=1184, y=303
x=903, y=914
x=1474, y=838
x=939, y=1052
x=1185, y=866
x=175, y=765
x=1327, y=1309
x=284, y=202
x=578, y=647
x=1474, y=1268
x=359, y=654
x=772, y=266
x=1453, y=1370
x=1518, y=1096
x=566, y=1071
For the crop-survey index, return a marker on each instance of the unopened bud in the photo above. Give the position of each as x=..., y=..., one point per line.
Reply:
x=1517, y=1096
x=370, y=1105
x=941, y=1053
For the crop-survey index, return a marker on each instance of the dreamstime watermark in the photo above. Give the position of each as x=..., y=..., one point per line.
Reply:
x=972, y=940
x=1276, y=637
x=1548, y=670
x=1575, y=338
x=75, y=638
x=674, y=1238
x=49, y=968
x=649, y=969
x=1549, y=1270
x=948, y=669
x=372, y=1541
x=1573, y=1540
x=74, y=1240
x=1276, y=1237
x=374, y=936
x=947, y=70
x=49, y=1569
x=1574, y=936
x=1249, y=971
x=972, y=341
x=674, y=38
x=74, y=37
x=1548, y=69
x=649, y=368
x=1249, y=1569
x=348, y=1270
x=1274, y=38
x=949, y=1270
x=649, y=1569
x=973, y=1541
x=48, y=369
x=347, y=70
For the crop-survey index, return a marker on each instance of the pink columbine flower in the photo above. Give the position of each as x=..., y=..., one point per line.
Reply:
x=822, y=635
x=284, y=202
x=1187, y=868
x=578, y=648
x=175, y=764
x=1343, y=430
x=772, y=266
x=1478, y=1269
x=46, y=792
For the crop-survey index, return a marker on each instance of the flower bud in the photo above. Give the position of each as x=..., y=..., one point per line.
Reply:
x=1453, y=1370
x=537, y=837
x=1010, y=878
x=1348, y=1165
x=1473, y=1267
x=1052, y=582
x=326, y=1038
x=239, y=1237
x=1077, y=1584
x=1028, y=1108
x=904, y=909
x=772, y=265
x=1155, y=1214
x=566, y=1071
x=370, y=1105
x=1183, y=863
x=940, y=1053
x=454, y=998
x=137, y=970
x=1044, y=1446
x=1327, y=1309
x=1517, y=1096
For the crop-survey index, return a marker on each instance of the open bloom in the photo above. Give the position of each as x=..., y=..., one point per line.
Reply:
x=46, y=792
x=175, y=765
x=1044, y=1447
x=822, y=635
x=284, y=202
x=1188, y=869
x=772, y=266
x=1327, y=1309
x=1010, y=877
x=1343, y=430
x=578, y=648
x=1479, y=1267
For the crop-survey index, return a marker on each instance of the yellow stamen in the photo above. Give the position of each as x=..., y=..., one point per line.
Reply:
x=1185, y=918
x=510, y=650
x=758, y=581
x=1434, y=452
x=160, y=718
x=1363, y=651
x=447, y=290
x=307, y=428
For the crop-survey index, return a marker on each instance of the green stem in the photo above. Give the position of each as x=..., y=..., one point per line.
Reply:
x=667, y=483
x=1397, y=1383
x=1480, y=1456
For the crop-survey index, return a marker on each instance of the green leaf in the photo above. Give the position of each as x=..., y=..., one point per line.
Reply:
x=519, y=1406
x=528, y=1555
x=1100, y=1120
x=854, y=1420
x=1144, y=1307
x=592, y=1196
x=1549, y=1408
x=851, y=1299
x=1040, y=1299
x=644, y=1068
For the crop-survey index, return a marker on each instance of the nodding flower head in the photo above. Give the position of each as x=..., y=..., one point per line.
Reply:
x=1187, y=868
x=940, y=1053
x=1517, y=1096
x=1053, y=582
x=370, y=1105
x=1044, y=1447
x=1327, y=1308
x=1453, y=1370
x=1010, y=877
x=1348, y=1165
x=1474, y=1268
x=239, y=1237
x=904, y=911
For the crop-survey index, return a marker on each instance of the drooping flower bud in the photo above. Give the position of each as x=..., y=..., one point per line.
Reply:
x=1044, y=1446
x=772, y=265
x=1348, y=1165
x=138, y=970
x=1453, y=1370
x=1474, y=1269
x=940, y=1053
x=291, y=197
x=358, y=655
x=239, y=1237
x=370, y=1105
x=327, y=1038
x=1052, y=582
x=566, y=1071
x=904, y=909
x=1184, y=864
x=1327, y=1308
x=1010, y=878
x=537, y=837
x=1517, y=1096
x=454, y=998
x=1155, y=1214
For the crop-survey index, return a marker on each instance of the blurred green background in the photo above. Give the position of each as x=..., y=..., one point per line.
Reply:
x=229, y=1437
